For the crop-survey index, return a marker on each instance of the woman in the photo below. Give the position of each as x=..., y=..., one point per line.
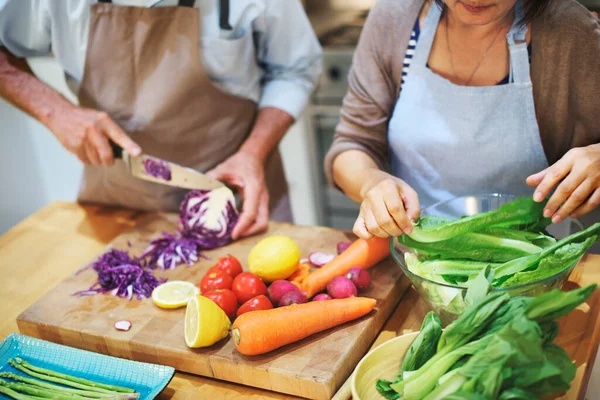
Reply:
x=467, y=97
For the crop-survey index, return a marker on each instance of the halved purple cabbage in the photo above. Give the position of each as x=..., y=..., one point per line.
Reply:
x=120, y=275
x=169, y=251
x=209, y=216
x=157, y=169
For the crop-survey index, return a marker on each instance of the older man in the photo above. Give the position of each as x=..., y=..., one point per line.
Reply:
x=210, y=84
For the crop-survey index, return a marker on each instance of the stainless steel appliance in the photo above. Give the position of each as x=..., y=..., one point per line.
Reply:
x=333, y=208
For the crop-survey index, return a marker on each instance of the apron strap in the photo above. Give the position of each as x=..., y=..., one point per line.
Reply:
x=517, y=45
x=427, y=35
x=182, y=3
x=224, y=15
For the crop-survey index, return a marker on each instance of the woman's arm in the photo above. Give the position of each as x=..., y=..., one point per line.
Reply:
x=567, y=110
x=358, y=157
x=388, y=204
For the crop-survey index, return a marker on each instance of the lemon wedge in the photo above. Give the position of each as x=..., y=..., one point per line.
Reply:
x=174, y=294
x=205, y=322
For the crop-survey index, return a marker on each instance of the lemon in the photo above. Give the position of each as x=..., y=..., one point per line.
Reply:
x=174, y=294
x=205, y=322
x=273, y=258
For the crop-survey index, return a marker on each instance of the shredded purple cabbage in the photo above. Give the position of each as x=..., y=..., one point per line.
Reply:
x=169, y=251
x=157, y=169
x=123, y=276
x=192, y=216
x=120, y=275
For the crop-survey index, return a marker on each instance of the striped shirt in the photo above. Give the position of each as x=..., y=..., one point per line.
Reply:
x=412, y=45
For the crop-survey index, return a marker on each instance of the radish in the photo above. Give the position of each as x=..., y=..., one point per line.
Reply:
x=341, y=287
x=342, y=246
x=319, y=259
x=321, y=297
x=360, y=277
x=123, y=325
x=279, y=288
x=290, y=298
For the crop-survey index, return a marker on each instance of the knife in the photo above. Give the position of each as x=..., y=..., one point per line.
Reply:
x=156, y=170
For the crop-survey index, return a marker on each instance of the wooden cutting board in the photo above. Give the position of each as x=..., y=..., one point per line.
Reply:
x=313, y=368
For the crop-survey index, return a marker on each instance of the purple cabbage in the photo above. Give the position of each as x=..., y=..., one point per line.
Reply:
x=207, y=219
x=169, y=251
x=209, y=216
x=120, y=275
x=157, y=169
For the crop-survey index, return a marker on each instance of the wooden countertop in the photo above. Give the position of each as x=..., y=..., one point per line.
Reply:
x=45, y=248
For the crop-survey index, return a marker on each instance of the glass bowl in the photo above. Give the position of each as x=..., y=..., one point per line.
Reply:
x=448, y=300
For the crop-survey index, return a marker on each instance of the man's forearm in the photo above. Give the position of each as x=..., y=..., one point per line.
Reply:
x=269, y=128
x=19, y=86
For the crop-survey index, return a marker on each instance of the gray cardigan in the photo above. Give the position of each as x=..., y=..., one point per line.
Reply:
x=565, y=71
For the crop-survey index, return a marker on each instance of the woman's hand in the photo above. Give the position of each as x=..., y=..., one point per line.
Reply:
x=86, y=133
x=388, y=208
x=577, y=175
x=247, y=173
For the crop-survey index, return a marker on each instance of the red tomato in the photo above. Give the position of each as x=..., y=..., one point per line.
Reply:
x=257, y=303
x=215, y=280
x=225, y=299
x=246, y=286
x=229, y=265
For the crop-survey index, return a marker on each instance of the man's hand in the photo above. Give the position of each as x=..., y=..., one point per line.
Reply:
x=246, y=172
x=86, y=133
x=82, y=131
x=577, y=175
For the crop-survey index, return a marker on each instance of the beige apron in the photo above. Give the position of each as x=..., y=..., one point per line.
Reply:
x=144, y=68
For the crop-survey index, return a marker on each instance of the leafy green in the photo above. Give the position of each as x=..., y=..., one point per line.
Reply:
x=549, y=331
x=531, y=262
x=520, y=211
x=471, y=322
x=539, y=239
x=517, y=394
x=512, y=239
x=437, y=270
x=474, y=246
x=500, y=348
x=480, y=286
x=552, y=264
x=384, y=388
x=425, y=344
x=555, y=304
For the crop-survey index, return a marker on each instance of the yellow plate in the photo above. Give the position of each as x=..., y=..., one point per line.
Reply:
x=383, y=362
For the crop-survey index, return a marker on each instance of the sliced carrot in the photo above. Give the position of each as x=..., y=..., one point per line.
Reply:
x=259, y=332
x=361, y=253
x=301, y=273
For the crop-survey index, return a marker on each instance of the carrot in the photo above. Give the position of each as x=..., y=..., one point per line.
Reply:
x=301, y=273
x=259, y=332
x=361, y=253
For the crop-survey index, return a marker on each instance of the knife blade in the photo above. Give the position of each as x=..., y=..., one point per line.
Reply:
x=154, y=169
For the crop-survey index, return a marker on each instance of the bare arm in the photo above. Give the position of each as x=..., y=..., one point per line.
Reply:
x=352, y=171
x=270, y=127
x=19, y=86
x=246, y=169
x=82, y=131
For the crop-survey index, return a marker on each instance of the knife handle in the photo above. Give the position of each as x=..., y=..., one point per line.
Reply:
x=116, y=149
